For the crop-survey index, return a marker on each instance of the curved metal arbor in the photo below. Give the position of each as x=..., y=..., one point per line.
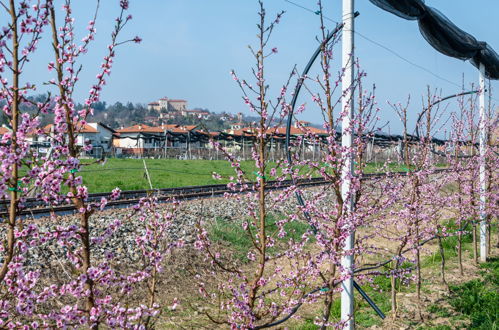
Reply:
x=418, y=134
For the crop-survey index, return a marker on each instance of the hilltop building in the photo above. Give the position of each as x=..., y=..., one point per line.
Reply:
x=168, y=104
x=154, y=106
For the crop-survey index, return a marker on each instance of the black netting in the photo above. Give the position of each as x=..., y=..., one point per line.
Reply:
x=408, y=9
x=446, y=37
x=443, y=35
x=490, y=60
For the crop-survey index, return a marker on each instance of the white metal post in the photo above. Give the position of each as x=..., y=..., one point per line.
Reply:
x=347, y=300
x=483, y=176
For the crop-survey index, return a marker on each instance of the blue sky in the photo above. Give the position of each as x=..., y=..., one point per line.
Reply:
x=189, y=47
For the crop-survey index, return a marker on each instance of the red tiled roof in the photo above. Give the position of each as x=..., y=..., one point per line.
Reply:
x=140, y=128
x=88, y=129
x=316, y=130
x=243, y=132
x=248, y=131
x=180, y=129
x=197, y=111
x=177, y=100
x=85, y=129
x=168, y=127
x=296, y=130
x=47, y=128
x=157, y=129
x=282, y=130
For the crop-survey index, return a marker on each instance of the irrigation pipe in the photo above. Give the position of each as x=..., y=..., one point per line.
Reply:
x=431, y=106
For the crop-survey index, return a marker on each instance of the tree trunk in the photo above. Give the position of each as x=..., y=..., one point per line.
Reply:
x=460, y=251
x=11, y=240
x=328, y=304
x=418, y=282
x=393, y=282
x=442, y=264
x=475, y=244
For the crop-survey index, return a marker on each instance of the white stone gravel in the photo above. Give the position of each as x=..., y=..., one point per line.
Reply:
x=122, y=242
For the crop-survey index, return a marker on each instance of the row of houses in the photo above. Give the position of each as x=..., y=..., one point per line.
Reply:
x=99, y=135
x=184, y=141
x=189, y=141
x=141, y=139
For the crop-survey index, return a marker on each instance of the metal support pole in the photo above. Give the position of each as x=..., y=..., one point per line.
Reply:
x=347, y=104
x=313, y=150
x=189, y=144
x=166, y=147
x=483, y=176
x=244, y=154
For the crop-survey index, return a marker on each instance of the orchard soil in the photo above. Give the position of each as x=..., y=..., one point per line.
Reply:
x=179, y=281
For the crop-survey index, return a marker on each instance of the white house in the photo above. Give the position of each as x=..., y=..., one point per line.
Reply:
x=100, y=136
x=196, y=113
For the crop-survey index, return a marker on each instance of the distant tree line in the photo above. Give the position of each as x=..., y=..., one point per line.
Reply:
x=120, y=114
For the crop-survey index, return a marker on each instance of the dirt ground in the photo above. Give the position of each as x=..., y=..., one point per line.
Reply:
x=434, y=292
x=180, y=282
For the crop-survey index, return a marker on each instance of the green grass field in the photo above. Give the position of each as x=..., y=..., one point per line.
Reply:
x=129, y=174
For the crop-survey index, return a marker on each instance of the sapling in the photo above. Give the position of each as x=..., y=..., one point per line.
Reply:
x=54, y=276
x=273, y=283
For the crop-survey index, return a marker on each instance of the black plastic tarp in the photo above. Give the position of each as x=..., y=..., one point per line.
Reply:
x=407, y=9
x=443, y=35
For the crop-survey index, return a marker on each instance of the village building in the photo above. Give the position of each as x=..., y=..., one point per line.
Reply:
x=141, y=139
x=163, y=103
x=153, y=106
x=174, y=105
x=134, y=140
x=196, y=113
x=99, y=135
x=237, y=126
x=177, y=105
